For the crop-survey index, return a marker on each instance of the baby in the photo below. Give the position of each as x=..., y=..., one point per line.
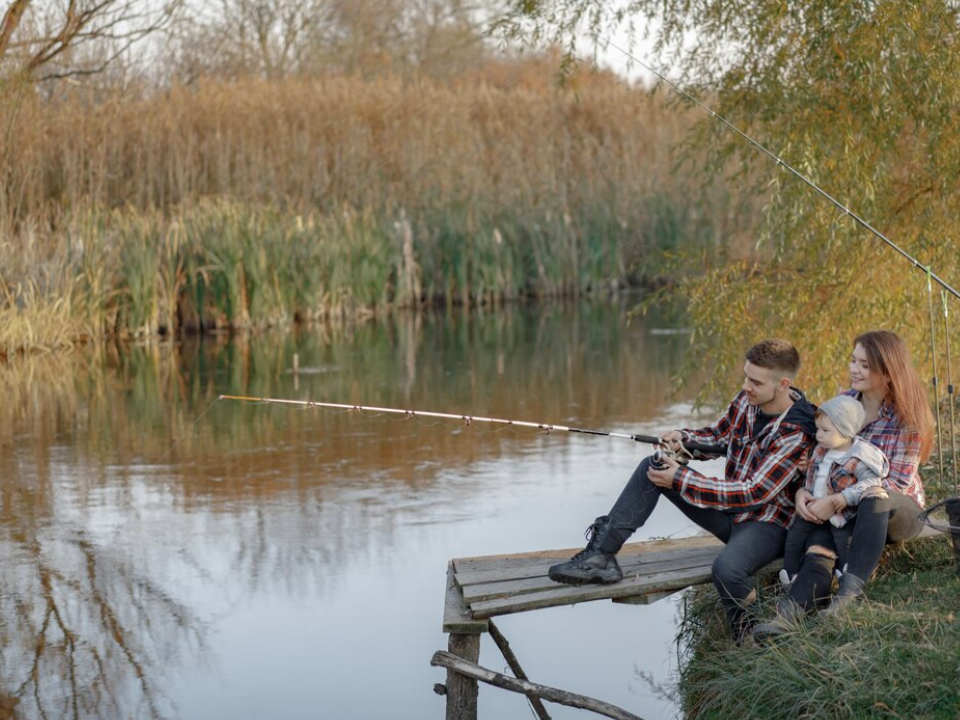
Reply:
x=841, y=467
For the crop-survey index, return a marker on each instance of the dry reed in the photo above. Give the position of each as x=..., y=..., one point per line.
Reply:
x=254, y=203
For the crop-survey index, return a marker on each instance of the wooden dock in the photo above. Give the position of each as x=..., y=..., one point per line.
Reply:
x=481, y=588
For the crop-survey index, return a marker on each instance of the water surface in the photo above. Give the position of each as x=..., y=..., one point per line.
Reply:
x=165, y=554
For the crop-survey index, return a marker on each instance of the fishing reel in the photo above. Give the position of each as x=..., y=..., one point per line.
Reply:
x=657, y=460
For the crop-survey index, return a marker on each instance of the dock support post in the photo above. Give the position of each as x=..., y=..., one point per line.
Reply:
x=462, y=691
x=465, y=632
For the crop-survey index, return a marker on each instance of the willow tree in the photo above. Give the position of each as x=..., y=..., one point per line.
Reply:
x=863, y=98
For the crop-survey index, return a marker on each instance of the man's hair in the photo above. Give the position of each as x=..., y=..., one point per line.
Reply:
x=774, y=354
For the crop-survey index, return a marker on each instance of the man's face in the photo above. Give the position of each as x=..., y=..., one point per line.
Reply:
x=760, y=384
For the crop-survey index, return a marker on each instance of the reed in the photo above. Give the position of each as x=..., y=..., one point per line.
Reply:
x=250, y=204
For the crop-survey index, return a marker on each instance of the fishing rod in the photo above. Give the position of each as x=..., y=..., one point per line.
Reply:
x=796, y=173
x=936, y=378
x=692, y=450
x=950, y=400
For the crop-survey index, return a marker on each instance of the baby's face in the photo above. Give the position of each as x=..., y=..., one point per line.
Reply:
x=828, y=435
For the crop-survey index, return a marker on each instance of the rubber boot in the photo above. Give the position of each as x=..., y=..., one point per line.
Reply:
x=851, y=590
x=789, y=615
x=596, y=563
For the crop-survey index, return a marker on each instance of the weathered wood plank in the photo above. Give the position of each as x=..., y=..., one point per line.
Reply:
x=500, y=588
x=647, y=599
x=635, y=585
x=483, y=562
x=470, y=669
x=462, y=690
x=456, y=614
x=521, y=568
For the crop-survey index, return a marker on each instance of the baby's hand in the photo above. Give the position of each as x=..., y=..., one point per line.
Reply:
x=821, y=508
x=804, y=463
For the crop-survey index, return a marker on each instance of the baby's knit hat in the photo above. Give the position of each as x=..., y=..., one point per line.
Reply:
x=846, y=413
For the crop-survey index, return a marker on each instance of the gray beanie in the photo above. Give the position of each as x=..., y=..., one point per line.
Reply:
x=846, y=413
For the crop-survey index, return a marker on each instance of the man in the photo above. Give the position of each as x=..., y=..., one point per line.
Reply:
x=764, y=434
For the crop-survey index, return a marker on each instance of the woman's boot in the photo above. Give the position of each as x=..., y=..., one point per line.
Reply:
x=789, y=615
x=851, y=590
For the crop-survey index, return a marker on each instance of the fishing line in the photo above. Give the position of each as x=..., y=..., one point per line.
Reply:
x=796, y=173
x=950, y=399
x=186, y=432
x=936, y=382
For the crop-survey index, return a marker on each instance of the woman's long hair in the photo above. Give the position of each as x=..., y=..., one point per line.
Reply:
x=888, y=355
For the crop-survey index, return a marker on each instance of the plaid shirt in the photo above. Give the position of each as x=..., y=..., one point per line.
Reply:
x=761, y=473
x=902, y=448
x=851, y=470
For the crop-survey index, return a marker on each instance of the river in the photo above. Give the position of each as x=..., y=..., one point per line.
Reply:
x=167, y=554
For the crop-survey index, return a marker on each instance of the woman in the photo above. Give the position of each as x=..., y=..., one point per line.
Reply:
x=899, y=422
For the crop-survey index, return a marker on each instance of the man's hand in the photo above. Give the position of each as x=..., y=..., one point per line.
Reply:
x=803, y=500
x=664, y=478
x=673, y=440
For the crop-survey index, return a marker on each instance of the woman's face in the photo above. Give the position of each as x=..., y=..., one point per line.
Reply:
x=862, y=378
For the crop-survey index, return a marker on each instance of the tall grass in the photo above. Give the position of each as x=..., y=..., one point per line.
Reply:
x=233, y=205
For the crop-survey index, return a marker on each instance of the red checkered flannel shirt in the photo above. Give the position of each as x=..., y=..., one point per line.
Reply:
x=902, y=448
x=761, y=474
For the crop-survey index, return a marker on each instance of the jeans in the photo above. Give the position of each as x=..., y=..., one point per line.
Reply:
x=749, y=545
x=881, y=518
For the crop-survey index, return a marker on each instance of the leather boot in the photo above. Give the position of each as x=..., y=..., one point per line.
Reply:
x=596, y=563
x=851, y=590
x=789, y=615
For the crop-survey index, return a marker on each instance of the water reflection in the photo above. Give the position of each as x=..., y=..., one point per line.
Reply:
x=140, y=516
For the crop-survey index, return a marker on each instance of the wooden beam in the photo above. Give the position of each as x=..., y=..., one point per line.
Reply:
x=457, y=617
x=455, y=664
x=511, y=658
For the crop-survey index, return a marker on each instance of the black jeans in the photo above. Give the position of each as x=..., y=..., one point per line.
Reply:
x=881, y=519
x=749, y=545
x=804, y=534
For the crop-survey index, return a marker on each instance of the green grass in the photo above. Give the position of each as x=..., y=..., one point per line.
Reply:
x=895, y=655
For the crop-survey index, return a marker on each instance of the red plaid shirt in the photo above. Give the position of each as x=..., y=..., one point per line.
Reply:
x=761, y=474
x=902, y=448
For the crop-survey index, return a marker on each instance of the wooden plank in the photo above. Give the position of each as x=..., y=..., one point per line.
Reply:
x=484, y=562
x=635, y=585
x=647, y=599
x=457, y=617
x=502, y=571
x=674, y=561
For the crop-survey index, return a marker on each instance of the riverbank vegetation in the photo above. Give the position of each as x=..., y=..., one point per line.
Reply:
x=894, y=655
x=257, y=203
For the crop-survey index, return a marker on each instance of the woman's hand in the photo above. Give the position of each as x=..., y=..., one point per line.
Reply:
x=824, y=508
x=803, y=500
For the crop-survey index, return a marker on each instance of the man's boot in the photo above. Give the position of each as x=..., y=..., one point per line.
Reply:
x=789, y=615
x=851, y=590
x=596, y=563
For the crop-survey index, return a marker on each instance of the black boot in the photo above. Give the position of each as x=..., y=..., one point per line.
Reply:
x=789, y=615
x=596, y=563
x=851, y=590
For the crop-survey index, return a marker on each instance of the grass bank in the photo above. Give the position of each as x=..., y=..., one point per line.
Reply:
x=251, y=204
x=896, y=655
